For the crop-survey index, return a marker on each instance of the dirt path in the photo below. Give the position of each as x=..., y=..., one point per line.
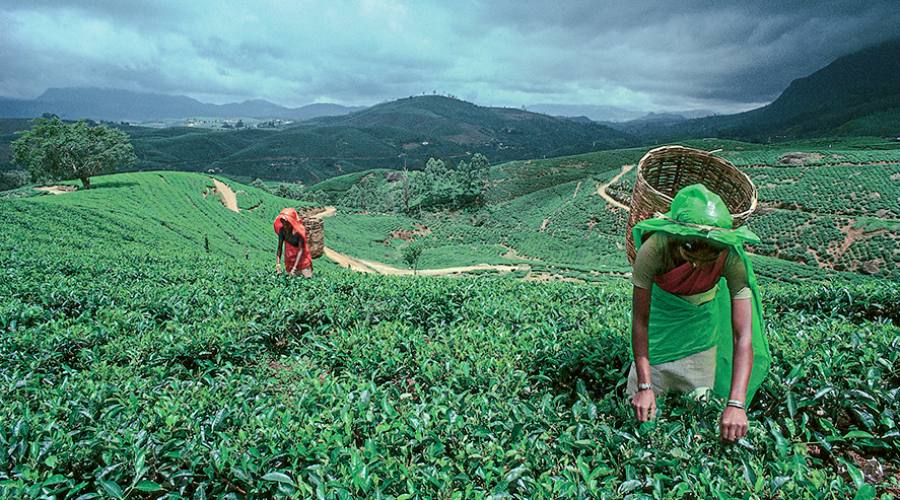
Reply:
x=229, y=199
x=328, y=212
x=601, y=188
x=56, y=189
x=368, y=266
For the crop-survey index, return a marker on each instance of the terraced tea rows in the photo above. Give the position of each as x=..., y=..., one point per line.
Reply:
x=143, y=367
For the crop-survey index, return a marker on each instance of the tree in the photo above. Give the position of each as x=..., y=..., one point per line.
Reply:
x=53, y=149
x=12, y=179
x=259, y=184
x=411, y=254
x=476, y=179
x=406, y=192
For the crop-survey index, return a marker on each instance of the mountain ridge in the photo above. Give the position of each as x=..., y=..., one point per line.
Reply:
x=124, y=105
x=831, y=100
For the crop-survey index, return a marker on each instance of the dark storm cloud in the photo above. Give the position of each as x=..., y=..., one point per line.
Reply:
x=660, y=55
x=724, y=50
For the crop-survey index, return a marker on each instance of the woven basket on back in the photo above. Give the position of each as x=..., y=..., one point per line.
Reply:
x=665, y=170
x=315, y=231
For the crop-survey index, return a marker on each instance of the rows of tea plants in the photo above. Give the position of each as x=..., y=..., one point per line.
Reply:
x=872, y=190
x=517, y=178
x=129, y=376
x=810, y=157
x=862, y=244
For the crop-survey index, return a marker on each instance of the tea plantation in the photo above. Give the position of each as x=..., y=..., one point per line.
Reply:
x=135, y=363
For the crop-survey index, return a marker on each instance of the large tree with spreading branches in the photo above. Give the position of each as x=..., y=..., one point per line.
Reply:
x=56, y=150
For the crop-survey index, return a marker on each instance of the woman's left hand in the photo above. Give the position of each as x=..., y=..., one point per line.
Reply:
x=733, y=425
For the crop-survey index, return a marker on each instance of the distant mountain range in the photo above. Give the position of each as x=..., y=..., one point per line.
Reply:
x=606, y=114
x=124, y=105
x=407, y=132
x=389, y=135
x=858, y=94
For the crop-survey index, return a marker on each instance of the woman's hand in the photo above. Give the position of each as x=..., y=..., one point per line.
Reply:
x=278, y=267
x=644, y=404
x=734, y=424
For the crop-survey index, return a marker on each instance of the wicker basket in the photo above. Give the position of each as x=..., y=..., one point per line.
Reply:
x=665, y=170
x=315, y=230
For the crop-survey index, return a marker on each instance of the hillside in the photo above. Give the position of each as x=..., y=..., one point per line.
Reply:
x=124, y=105
x=857, y=94
x=822, y=208
x=385, y=136
x=135, y=363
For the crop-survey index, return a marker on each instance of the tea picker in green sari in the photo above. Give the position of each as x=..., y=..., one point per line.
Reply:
x=696, y=319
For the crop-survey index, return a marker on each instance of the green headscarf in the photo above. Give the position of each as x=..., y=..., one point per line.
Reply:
x=698, y=212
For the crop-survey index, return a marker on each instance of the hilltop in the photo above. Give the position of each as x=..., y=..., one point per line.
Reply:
x=407, y=131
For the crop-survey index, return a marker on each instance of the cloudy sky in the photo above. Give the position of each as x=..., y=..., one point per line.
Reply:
x=640, y=55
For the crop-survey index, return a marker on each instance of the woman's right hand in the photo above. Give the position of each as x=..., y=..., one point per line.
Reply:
x=644, y=404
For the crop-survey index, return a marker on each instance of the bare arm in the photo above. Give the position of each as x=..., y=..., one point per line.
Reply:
x=299, y=253
x=278, y=252
x=743, y=348
x=734, y=420
x=640, y=345
x=644, y=402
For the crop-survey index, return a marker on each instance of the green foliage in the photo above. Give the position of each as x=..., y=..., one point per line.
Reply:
x=411, y=253
x=53, y=149
x=438, y=187
x=134, y=364
x=138, y=379
x=12, y=179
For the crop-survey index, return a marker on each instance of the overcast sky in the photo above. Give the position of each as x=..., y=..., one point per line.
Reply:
x=652, y=55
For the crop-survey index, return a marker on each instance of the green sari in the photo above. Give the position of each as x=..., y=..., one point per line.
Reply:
x=678, y=328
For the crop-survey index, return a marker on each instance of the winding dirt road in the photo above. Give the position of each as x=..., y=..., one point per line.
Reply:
x=601, y=188
x=229, y=199
x=368, y=266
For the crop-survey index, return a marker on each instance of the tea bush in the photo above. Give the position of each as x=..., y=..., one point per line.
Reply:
x=134, y=364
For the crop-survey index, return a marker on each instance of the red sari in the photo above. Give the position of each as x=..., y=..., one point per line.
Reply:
x=689, y=280
x=291, y=252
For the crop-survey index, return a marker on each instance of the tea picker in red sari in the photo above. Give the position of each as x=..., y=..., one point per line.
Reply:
x=292, y=238
x=697, y=319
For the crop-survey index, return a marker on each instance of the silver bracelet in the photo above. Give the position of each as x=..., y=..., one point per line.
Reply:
x=645, y=387
x=734, y=403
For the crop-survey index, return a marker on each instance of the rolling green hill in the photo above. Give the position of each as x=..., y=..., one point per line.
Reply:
x=135, y=363
x=822, y=208
x=389, y=135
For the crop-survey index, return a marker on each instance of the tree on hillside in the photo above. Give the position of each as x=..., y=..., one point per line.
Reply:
x=438, y=186
x=411, y=254
x=12, y=179
x=56, y=150
x=455, y=187
x=473, y=178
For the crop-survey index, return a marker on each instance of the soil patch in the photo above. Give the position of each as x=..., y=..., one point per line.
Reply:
x=229, y=198
x=408, y=234
x=799, y=158
x=61, y=189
